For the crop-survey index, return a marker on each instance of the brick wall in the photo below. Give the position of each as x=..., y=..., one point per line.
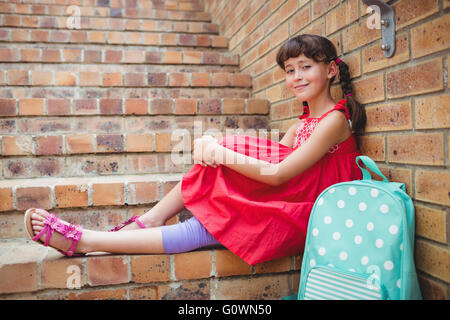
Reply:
x=406, y=96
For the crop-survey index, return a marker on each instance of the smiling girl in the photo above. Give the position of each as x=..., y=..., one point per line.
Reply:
x=252, y=195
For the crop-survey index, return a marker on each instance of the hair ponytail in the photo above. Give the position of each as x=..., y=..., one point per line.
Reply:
x=356, y=110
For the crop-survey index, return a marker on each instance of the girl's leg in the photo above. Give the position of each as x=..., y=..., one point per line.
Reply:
x=171, y=204
x=181, y=237
x=133, y=241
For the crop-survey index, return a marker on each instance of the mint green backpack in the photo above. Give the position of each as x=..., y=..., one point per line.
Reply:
x=360, y=242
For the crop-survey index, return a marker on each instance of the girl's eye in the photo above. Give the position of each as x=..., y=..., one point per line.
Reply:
x=289, y=71
x=306, y=67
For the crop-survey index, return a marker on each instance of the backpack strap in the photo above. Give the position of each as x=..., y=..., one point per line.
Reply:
x=341, y=105
x=371, y=165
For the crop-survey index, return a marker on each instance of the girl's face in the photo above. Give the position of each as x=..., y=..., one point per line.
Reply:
x=306, y=78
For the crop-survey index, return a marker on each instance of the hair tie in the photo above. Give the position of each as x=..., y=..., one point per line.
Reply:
x=348, y=94
x=338, y=60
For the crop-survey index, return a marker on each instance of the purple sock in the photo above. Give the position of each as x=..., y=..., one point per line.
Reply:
x=186, y=236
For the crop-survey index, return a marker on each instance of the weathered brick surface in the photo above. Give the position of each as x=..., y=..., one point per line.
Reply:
x=405, y=96
x=86, y=118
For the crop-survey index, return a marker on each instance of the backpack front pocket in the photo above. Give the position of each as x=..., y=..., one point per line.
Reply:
x=325, y=283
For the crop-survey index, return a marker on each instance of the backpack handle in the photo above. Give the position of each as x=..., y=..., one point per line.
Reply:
x=372, y=166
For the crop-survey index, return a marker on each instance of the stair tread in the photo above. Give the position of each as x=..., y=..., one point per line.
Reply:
x=56, y=22
x=112, y=38
x=90, y=11
x=52, y=181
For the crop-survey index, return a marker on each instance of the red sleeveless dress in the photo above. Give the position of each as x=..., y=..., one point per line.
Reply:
x=256, y=221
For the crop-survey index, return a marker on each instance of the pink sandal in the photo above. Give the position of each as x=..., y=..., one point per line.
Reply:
x=52, y=223
x=123, y=224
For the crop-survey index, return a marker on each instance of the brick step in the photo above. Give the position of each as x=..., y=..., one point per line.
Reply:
x=126, y=107
x=92, y=11
x=78, y=75
x=97, y=54
x=185, y=5
x=123, y=92
x=111, y=24
x=11, y=36
x=81, y=200
x=32, y=271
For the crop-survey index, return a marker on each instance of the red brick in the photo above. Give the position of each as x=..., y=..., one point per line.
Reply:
x=58, y=273
x=173, y=57
x=20, y=35
x=233, y=106
x=192, y=57
x=31, y=55
x=69, y=196
x=179, y=80
x=18, y=277
x=51, y=55
x=9, y=55
x=221, y=79
x=153, y=57
x=64, y=78
x=139, y=142
x=105, y=194
x=157, y=79
x=97, y=36
x=150, y=268
x=85, y=106
x=228, y=264
x=58, y=106
x=8, y=107
x=111, y=106
x=161, y=106
x=210, y=106
x=425, y=149
x=48, y=145
x=31, y=107
x=241, y=80
x=418, y=79
x=187, y=40
x=113, y=56
x=433, y=186
x=142, y=192
x=199, y=263
x=107, y=270
x=93, y=56
x=136, y=106
x=6, y=197
x=200, y=79
x=109, y=143
x=33, y=197
x=374, y=147
x=18, y=77
x=60, y=36
x=185, y=106
x=136, y=79
x=72, y=55
x=112, y=79
x=16, y=145
x=41, y=78
x=82, y=143
x=89, y=78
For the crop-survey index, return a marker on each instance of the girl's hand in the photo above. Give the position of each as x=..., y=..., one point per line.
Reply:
x=204, y=150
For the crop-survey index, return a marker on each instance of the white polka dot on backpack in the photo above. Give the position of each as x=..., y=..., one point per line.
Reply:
x=384, y=208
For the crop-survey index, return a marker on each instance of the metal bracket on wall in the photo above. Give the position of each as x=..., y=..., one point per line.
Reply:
x=387, y=24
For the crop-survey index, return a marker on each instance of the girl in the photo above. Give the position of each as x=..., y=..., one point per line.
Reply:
x=252, y=195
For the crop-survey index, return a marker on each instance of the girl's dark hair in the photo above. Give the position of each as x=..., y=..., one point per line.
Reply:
x=321, y=49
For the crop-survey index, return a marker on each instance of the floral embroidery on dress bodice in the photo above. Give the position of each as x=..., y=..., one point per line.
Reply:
x=309, y=124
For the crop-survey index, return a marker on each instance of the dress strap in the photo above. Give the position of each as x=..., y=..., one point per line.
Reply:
x=339, y=106
x=305, y=113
